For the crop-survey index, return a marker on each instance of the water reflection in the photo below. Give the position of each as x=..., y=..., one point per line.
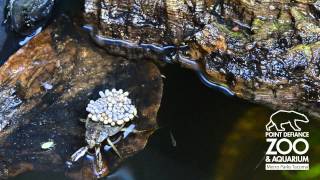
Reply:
x=28, y=38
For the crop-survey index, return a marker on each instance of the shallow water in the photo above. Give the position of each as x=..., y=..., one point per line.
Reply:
x=217, y=136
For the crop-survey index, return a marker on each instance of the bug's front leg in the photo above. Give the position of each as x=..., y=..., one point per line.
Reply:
x=98, y=159
x=79, y=153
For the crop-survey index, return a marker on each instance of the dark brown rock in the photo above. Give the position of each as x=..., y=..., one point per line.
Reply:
x=55, y=75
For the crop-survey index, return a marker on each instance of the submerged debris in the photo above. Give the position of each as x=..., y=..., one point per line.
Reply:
x=47, y=86
x=48, y=145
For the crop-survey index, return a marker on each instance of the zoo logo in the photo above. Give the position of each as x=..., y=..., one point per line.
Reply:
x=297, y=117
x=284, y=151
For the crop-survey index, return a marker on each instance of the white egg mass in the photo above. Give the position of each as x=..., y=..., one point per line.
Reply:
x=114, y=107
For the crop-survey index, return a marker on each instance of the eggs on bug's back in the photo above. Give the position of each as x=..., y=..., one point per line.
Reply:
x=114, y=107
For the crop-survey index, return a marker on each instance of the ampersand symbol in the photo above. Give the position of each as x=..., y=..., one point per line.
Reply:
x=267, y=159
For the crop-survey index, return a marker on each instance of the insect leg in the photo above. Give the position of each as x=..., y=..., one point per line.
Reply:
x=131, y=129
x=99, y=162
x=114, y=148
x=78, y=154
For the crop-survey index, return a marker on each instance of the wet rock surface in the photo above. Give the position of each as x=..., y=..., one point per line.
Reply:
x=150, y=28
x=2, y=28
x=263, y=51
x=25, y=16
x=55, y=76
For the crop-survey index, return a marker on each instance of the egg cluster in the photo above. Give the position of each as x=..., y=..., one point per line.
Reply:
x=113, y=107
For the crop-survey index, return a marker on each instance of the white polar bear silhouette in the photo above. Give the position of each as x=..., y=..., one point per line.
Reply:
x=288, y=117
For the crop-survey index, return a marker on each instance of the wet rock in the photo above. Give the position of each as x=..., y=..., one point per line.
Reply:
x=282, y=80
x=246, y=11
x=152, y=26
x=9, y=102
x=76, y=70
x=113, y=17
x=2, y=28
x=25, y=16
x=209, y=40
x=271, y=59
x=307, y=28
x=278, y=67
